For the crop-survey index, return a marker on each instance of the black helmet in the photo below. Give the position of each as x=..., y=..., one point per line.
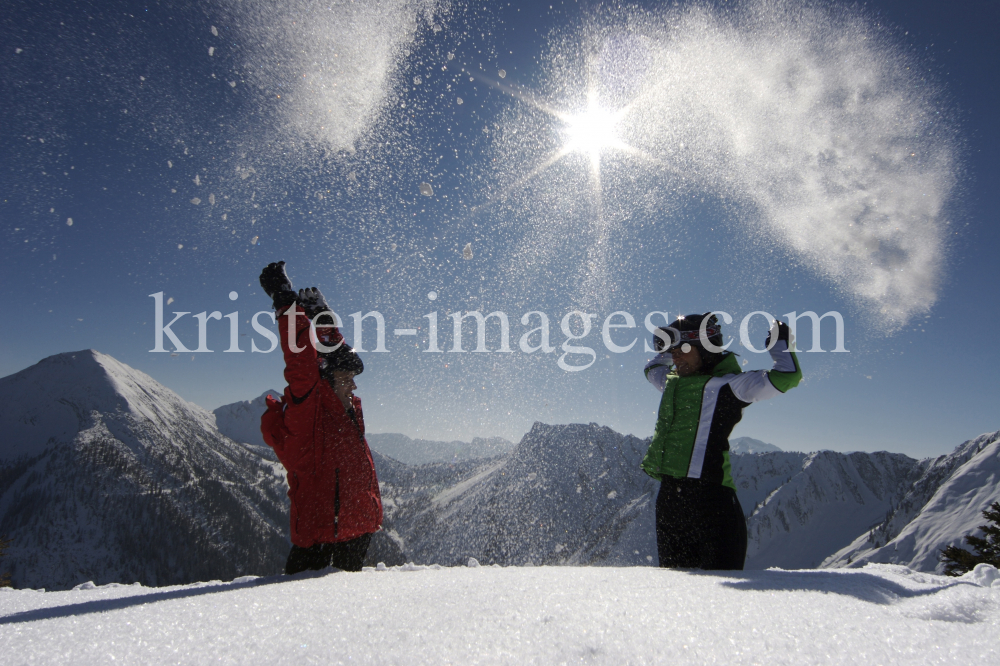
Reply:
x=342, y=358
x=688, y=329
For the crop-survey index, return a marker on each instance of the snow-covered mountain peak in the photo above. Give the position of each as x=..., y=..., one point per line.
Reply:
x=748, y=445
x=52, y=400
x=105, y=474
x=240, y=421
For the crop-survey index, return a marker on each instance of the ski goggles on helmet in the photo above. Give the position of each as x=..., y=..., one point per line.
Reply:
x=667, y=338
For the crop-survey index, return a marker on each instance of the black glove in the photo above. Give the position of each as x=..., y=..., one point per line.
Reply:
x=311, y=300
x=784, y=333
x=277, y=285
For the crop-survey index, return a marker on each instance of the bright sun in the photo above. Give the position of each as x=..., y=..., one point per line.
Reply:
x=592, y=131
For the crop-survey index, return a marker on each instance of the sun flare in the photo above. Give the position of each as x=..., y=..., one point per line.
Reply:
x=593, y=131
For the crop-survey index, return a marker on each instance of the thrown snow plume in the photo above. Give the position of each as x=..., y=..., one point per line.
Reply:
x=828, y=136
x=329, y=63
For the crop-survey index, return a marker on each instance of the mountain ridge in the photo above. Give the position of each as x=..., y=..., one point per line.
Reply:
x=106, y=475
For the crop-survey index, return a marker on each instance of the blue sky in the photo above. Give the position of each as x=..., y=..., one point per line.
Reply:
x=832, y=158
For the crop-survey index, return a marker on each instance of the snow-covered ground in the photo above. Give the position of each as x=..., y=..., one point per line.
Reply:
x=882, y=614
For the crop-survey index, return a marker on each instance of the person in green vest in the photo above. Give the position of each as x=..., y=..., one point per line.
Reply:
x=699, y=520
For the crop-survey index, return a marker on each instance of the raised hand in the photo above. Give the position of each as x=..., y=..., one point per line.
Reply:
x=311, y=300
x=784, y=333
x=274, y=279
x=276, y=284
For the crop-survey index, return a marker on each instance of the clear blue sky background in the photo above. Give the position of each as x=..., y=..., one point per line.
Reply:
x=310, y=129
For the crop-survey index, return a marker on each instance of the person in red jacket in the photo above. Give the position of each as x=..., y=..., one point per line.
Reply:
x=318, y=432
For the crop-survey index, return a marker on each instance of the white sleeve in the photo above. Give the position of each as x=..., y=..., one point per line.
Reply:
x=753, y=386
x=658, y=369
x=763, y=384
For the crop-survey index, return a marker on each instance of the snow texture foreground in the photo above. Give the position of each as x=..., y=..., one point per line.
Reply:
x=882, y=614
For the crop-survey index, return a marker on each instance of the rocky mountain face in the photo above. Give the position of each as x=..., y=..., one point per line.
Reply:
x=423, y=451
x=815, y=504
x=944, y=504
x=566, y=495
x=106, y=475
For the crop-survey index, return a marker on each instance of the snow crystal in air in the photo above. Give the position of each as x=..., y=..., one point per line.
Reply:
x=180, y=246
x=502, y=73
x=338, y=64
x=69, y=221
x=459, y=101
x=253, y=241
x=211, y=199
x=196, y=201
x=197, y=179
x=211, y=51
x=224, y=216
x=426, y=189
x=232, y=84
x=215, y=31
x=170, y=165
x=613, y=494
x=18, y=50
x=417, y=80
x=467, y=251
x=451, y=56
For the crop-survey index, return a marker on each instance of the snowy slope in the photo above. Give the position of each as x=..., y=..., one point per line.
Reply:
x=530, y=615
x=106, y=475
x=757, y=476
x=954, y=510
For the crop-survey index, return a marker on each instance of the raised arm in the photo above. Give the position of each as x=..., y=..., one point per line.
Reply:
x=294, y=313
x=764, y=384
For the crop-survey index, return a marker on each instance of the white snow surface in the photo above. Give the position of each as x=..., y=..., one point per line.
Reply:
x=882, y=614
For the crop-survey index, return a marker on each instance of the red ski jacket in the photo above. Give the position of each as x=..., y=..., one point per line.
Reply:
x=331, y=475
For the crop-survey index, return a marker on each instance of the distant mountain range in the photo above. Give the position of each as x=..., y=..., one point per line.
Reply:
x=240, y=421
x=106, y=475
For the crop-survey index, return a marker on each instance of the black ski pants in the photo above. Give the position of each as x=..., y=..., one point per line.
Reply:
x=699, y=525
x=345, y=555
